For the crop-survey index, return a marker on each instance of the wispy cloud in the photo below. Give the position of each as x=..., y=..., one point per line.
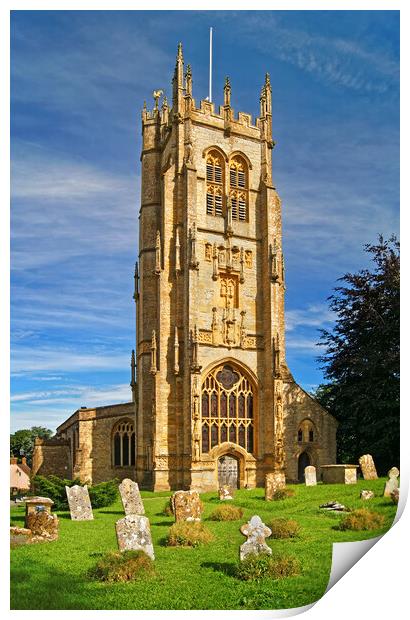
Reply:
x=35, y=359
x=315, y=315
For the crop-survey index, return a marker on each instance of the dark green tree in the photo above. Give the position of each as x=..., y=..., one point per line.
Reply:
x=22, y=441
x=361, y=362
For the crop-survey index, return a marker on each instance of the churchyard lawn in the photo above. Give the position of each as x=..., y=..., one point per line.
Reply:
x=55, y=575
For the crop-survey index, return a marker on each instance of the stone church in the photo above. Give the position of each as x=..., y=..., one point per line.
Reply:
x=213, y=399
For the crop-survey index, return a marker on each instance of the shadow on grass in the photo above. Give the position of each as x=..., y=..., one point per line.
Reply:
x=111, y=512
x=227, y=568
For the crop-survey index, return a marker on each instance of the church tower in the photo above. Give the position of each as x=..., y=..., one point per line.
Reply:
x=214, y=397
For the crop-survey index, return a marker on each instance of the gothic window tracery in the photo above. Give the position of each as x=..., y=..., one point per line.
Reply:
x=214, y=184
x=123, y=444
x=227, y=403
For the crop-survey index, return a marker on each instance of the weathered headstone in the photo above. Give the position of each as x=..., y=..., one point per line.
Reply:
x=339, y=474
x=33, y=504
x=131, y=497
x=79, y=503
x=273, y=481
x=395, y=496
x=134, y=534
x=43, y=525
x=333, y=506
x=187, y=506
x=392, y=482
x=310, y=476
x=368, y=467
x=256, y=532
x=366, y=495
x=226, y=492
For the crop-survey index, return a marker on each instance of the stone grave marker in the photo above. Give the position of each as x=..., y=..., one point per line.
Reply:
x=79, y=503
x=310, y=476
x=395, y=496
x=366, y=495
x=368, y=467
x=187, y=506
x=274, y=481
x=43, y=526
x=256, y=532
x=134, y=534
x=131, y=497
x=226, y=492
x=392, y=482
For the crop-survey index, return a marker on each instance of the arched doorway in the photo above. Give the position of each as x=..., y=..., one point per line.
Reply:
x=228, y=471
x=303, y=461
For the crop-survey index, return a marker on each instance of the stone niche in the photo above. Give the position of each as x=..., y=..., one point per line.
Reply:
x=339, y=474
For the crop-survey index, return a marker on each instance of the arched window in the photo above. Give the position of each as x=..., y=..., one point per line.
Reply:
x=214, y=184
x=238, y=189
x=306, y=431
x=227, y=405
x=123, y=444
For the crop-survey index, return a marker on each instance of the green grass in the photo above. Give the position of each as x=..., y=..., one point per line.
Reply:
x=55, y=575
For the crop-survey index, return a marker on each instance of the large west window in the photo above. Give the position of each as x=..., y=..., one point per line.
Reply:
x=123, y=444
x=227, y=407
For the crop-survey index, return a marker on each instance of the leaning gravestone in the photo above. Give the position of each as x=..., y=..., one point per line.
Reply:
x=79, y=503
x=131, y=497
x=392, y=482
x=368, y=468
x=273, y=482
x=134, y=534
x=310, y=476
x=256, y=532
x=186, y=506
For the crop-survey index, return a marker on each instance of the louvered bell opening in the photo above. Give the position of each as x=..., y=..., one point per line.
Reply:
x=209, y=172
x=232, y=176
x=234, y=206
x=209, y=204
x=241, y=179
x=218, y=174
x=218, y=205
x=242, y=210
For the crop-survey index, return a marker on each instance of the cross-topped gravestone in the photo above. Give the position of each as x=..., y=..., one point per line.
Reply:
x=310, y=476
x=131, y=497
x=392, y=482
x=79, y=503
x=274, y=481
x=134, y=534
x=186, y=506
x=256, y=532
x=368, y=467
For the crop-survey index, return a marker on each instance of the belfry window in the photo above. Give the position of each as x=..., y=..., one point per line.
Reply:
x=227, y=405
x=238, y=189
x=123, y=444
x=214, y=184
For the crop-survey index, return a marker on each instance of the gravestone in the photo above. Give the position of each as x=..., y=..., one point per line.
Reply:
x=368, y=468
x=226, y=492
x=392, y=482
x=79, y=503
x=274, y=481
x=131, y=497
x=310, y=476
x=20, y=536
x=256, y=532
x=34, y=503
x=333, y=506
x=43, y=526
x=134, y=534
x=366, y=495
x=395, y=496
x=339, y=474
x=186, y=506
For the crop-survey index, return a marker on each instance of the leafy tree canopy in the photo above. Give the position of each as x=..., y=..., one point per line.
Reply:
x=361, y=362
x=22, y=441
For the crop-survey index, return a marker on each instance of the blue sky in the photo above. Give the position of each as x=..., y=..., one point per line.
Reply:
x=78, y=82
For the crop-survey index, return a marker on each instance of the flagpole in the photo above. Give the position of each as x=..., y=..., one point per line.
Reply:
x=210, y=64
